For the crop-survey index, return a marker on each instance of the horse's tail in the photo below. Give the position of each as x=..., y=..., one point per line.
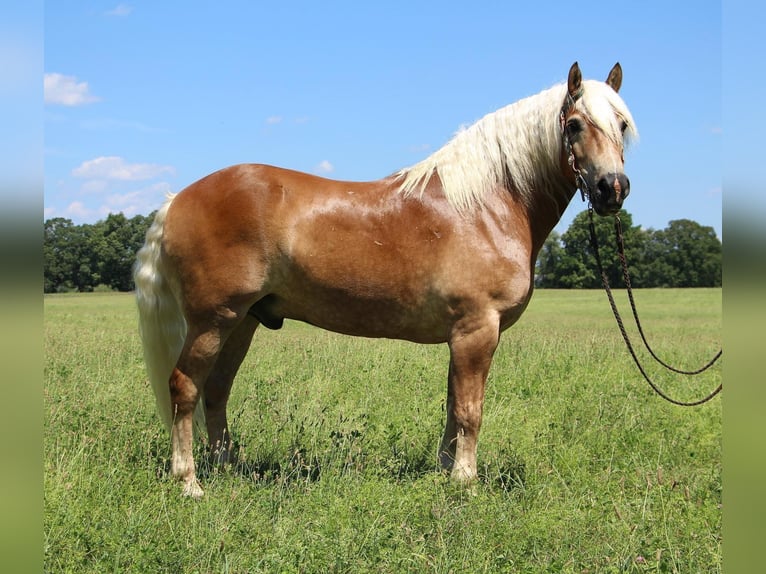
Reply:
x=161, y=321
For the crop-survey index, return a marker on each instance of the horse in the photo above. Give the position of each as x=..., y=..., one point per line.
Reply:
x=440, y=252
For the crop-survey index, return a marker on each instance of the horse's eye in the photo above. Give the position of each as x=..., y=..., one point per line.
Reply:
x=574, y=127
x=623, y=126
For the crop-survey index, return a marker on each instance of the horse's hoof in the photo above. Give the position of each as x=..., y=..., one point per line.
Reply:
x=463, y=474
x=192, y=489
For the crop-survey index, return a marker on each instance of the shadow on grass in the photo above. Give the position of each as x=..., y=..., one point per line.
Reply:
x=301, y=468
x=308, y=467
x=507, y=474
x=505, y=471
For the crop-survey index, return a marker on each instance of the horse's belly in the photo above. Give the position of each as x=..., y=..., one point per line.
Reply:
x=427, y=321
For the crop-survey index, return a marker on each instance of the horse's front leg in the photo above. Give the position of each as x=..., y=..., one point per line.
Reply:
x=471, y=351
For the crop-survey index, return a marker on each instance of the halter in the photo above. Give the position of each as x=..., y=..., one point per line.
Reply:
x=569, y=103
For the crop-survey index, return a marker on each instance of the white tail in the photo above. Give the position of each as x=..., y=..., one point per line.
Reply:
x=161, y=320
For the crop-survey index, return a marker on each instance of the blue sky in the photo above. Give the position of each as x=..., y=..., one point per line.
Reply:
x=142, y=98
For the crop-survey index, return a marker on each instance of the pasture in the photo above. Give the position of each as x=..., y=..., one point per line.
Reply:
x=582, y=468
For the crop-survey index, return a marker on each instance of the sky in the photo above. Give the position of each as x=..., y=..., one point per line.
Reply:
x=144, y=98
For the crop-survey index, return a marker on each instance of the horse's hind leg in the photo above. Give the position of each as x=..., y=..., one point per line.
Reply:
x=187, y=379
x=218, y=387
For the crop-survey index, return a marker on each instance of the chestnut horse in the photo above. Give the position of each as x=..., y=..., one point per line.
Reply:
x=442, y=252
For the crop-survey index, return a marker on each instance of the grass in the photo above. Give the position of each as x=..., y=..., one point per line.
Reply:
x=583, y=468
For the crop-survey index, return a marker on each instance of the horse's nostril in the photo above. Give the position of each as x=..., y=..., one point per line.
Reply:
x=604, y=187
x=614, y=186
x=625, y=185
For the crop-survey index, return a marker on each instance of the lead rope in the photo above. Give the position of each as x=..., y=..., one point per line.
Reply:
x=618, y=318
x=626, y=278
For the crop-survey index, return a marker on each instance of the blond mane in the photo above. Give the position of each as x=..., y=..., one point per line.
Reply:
x=517, y=146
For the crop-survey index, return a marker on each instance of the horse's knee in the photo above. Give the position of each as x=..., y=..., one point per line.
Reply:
x=183, y=393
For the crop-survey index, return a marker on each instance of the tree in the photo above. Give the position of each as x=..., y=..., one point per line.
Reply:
x=685, y=254
x=115, y=243
x=55, y=256
x=578, y=268
x=67, y=257
x=549, y=261
x=80, y=257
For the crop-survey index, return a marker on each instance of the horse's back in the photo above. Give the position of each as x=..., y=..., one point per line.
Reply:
x=254, y=229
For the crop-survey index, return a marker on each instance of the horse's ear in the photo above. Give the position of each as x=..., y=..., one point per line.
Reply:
x=614, y=79
x=574, y=82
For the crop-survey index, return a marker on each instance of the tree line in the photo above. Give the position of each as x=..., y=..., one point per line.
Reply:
x=100, y=256
x=684, y=254
x=92, y=257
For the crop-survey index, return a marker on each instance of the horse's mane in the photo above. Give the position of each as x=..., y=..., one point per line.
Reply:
x=518, y=146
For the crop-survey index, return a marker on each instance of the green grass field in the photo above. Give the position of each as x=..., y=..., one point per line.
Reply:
x=583, y=468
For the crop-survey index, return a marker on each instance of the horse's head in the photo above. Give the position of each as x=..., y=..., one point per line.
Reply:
x=595, y=126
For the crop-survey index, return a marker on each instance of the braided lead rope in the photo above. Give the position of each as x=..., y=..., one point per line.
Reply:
x=626, y=338
x=626, y=278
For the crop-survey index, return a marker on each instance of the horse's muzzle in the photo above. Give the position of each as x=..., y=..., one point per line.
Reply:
x=611, y=190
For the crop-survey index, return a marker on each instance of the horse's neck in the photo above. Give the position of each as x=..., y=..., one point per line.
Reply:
x=547, y=200
x=543, y=189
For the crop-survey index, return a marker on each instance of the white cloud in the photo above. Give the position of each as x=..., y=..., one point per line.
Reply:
x=120, y=10
x=273, y=120
x=141, y=201
x=114, y=167
x=77, y=210
x=109, y=186
x=138, y=201
x=66, y=91
x=94, y=186
x=325, y=167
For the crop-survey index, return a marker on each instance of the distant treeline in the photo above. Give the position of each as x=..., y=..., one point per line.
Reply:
x=92, y=257
x=684, y=254
x=100, y=256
